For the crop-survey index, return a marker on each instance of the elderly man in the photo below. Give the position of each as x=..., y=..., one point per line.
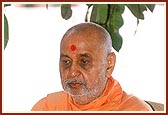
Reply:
x=86, y=65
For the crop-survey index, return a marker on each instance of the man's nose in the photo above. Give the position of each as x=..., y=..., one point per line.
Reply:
x=74, y=71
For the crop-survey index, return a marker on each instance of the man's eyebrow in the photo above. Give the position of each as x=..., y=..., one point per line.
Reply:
x=64, y=55
x=84, y=55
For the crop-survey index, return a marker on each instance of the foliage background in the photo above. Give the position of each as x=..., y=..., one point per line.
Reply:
x=107, y=15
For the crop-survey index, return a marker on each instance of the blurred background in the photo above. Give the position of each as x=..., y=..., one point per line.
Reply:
x=31, y=57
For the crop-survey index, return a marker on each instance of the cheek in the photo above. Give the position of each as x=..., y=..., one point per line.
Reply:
x=63, y=75
x=99, y=70
x=95, y=76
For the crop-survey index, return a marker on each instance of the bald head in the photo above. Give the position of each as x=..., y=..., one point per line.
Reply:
x=92, y=31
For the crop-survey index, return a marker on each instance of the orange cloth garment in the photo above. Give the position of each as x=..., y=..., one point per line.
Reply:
x=112, y=99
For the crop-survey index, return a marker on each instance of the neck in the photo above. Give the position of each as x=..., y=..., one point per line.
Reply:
x=82, y=100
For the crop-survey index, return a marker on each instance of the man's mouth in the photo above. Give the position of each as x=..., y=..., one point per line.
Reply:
x=75, y=84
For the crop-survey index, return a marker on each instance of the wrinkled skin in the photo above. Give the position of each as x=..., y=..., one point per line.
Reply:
x=84, y=71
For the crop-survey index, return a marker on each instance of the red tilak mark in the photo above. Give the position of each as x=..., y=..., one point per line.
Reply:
x=73, y=47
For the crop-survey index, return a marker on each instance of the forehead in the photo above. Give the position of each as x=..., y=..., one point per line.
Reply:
x=84, y=43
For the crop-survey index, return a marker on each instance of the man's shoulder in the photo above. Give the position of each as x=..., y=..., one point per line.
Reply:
x=52, y=101
x=134, y=103
x=57, y=94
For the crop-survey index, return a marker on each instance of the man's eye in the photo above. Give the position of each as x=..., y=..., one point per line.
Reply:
x=66, y=62
x=84, y=61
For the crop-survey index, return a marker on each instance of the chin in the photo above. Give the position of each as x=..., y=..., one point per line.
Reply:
x=76, y=94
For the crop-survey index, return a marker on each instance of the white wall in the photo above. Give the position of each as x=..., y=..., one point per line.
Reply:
x=30, y=60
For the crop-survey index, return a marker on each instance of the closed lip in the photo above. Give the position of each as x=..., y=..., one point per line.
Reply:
x=75, y=84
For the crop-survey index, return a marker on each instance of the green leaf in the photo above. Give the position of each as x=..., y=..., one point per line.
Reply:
x=114, y=23
x=6, y=32
x=150, y=7
x=7, y=5
x=119, y=8
x=99, y=13
x=66, y=11
x=137, y=10
x=115, y=20
x=116, y=39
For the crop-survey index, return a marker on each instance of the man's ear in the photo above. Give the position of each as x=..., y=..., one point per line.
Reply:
x=111, y=60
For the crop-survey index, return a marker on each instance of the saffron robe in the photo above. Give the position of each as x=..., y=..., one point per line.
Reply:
x=112, y=99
